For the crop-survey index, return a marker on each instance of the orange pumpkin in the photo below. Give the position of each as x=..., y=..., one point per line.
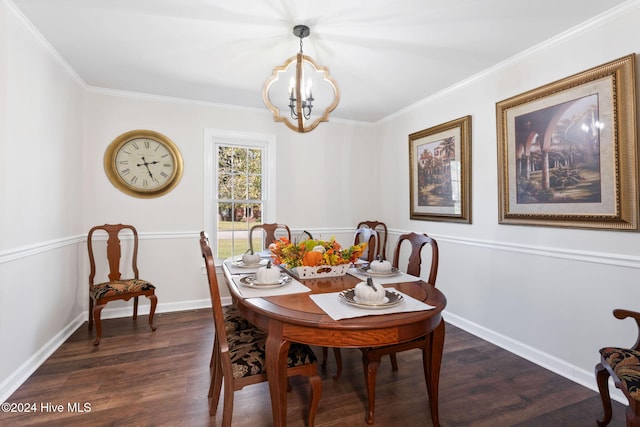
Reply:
x=312, y=259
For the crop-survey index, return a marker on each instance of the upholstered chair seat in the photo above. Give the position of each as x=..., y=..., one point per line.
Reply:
x=234, y=320
x=247, y=351
x=120, y=287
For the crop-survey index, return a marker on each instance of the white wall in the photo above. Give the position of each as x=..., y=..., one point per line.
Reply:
x=545, y=293
x=41, y=203
x=317, y=176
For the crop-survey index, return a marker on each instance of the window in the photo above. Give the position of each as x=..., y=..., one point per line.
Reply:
x=238, y=190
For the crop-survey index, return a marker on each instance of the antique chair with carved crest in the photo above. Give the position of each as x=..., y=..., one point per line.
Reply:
x=381, y=236
x=371, y=355
x=375, y=234
x=623, y=366
x=270, y=233
x=116, y=287
x=370, y=236
x=239, y=355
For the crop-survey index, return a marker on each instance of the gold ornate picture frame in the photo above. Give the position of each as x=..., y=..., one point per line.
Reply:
x=440, y=172
x=567, y=151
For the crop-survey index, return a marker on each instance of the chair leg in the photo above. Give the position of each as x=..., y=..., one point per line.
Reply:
x=325, y=356
x=338, y=355
x=394, y=361
x=633, y=415
x=90, y=313
x=213, y=353
x=602, y=378
x=152, y=311
x=215, y=366
x=370, y=370
x=97, y=309
x=316, y=391
x=227, y=411
x=216, y=387
x=135, y=308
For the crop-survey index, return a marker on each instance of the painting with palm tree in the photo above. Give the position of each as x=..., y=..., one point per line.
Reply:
x=439, y=165
x=567, y=151
x=558, y=153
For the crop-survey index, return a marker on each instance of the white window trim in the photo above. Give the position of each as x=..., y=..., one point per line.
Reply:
x=216, y=136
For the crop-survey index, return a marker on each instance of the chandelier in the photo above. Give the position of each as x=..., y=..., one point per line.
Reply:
x=301, y=93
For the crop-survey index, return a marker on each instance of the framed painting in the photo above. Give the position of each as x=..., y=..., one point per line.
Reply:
x=440, y=172
x=567, y=151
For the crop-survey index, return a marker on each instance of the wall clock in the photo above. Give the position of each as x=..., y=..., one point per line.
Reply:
x=143, y=163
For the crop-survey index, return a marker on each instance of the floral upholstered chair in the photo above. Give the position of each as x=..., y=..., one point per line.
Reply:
x=239, y=354
x=116, y=287
x=623, y=365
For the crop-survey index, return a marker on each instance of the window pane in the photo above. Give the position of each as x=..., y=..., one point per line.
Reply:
x=224, y=186
x=255, y=187
x=239, y=184
x=239, y=198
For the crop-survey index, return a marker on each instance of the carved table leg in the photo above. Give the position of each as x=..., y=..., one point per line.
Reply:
x=370, y=371
x=434, y=361
x=277, y=350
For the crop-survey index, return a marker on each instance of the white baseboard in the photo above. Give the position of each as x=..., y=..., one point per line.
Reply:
x=558, y=366
x=20, y=375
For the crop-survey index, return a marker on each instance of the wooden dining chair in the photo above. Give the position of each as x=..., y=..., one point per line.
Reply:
x=371, y=356
x=116, y=288
x=623, y=365
x=240, y=356
x=382, y=234
x=270, y=233
x=370, y=236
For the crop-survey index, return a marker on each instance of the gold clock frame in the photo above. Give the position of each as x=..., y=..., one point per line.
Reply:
x=124, y=186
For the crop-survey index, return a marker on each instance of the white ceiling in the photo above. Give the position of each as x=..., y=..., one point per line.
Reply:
x=384, y=55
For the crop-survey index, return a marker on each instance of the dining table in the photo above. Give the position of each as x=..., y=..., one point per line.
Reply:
x=313, y=312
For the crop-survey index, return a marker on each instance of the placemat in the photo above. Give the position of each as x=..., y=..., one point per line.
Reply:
x=293, y=287
x=384, y=280
x=234, y=269
x=337, y=309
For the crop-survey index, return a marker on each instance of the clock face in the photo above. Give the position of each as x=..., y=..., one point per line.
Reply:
x=143, y=163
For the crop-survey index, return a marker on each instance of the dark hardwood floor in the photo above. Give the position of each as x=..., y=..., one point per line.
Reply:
x=139, y=378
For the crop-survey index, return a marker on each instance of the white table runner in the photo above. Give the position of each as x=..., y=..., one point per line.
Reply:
x=384, y=280
x=338, y=309
x=293, y=287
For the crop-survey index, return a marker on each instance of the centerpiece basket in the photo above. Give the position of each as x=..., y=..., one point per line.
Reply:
x=315, y=259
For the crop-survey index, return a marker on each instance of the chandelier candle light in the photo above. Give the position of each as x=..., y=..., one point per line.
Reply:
x=304, y=77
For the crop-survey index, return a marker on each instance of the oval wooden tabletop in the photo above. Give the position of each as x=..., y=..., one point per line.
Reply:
x=303, y=321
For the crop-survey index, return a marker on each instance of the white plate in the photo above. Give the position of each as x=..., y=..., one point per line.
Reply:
x=391, y=299
x=367, y=270
x=241, y=264
x=251, y=282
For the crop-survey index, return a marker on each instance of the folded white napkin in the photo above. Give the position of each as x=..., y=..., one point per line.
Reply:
x=384, y=280
x=338, y=309
x=293, y=287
